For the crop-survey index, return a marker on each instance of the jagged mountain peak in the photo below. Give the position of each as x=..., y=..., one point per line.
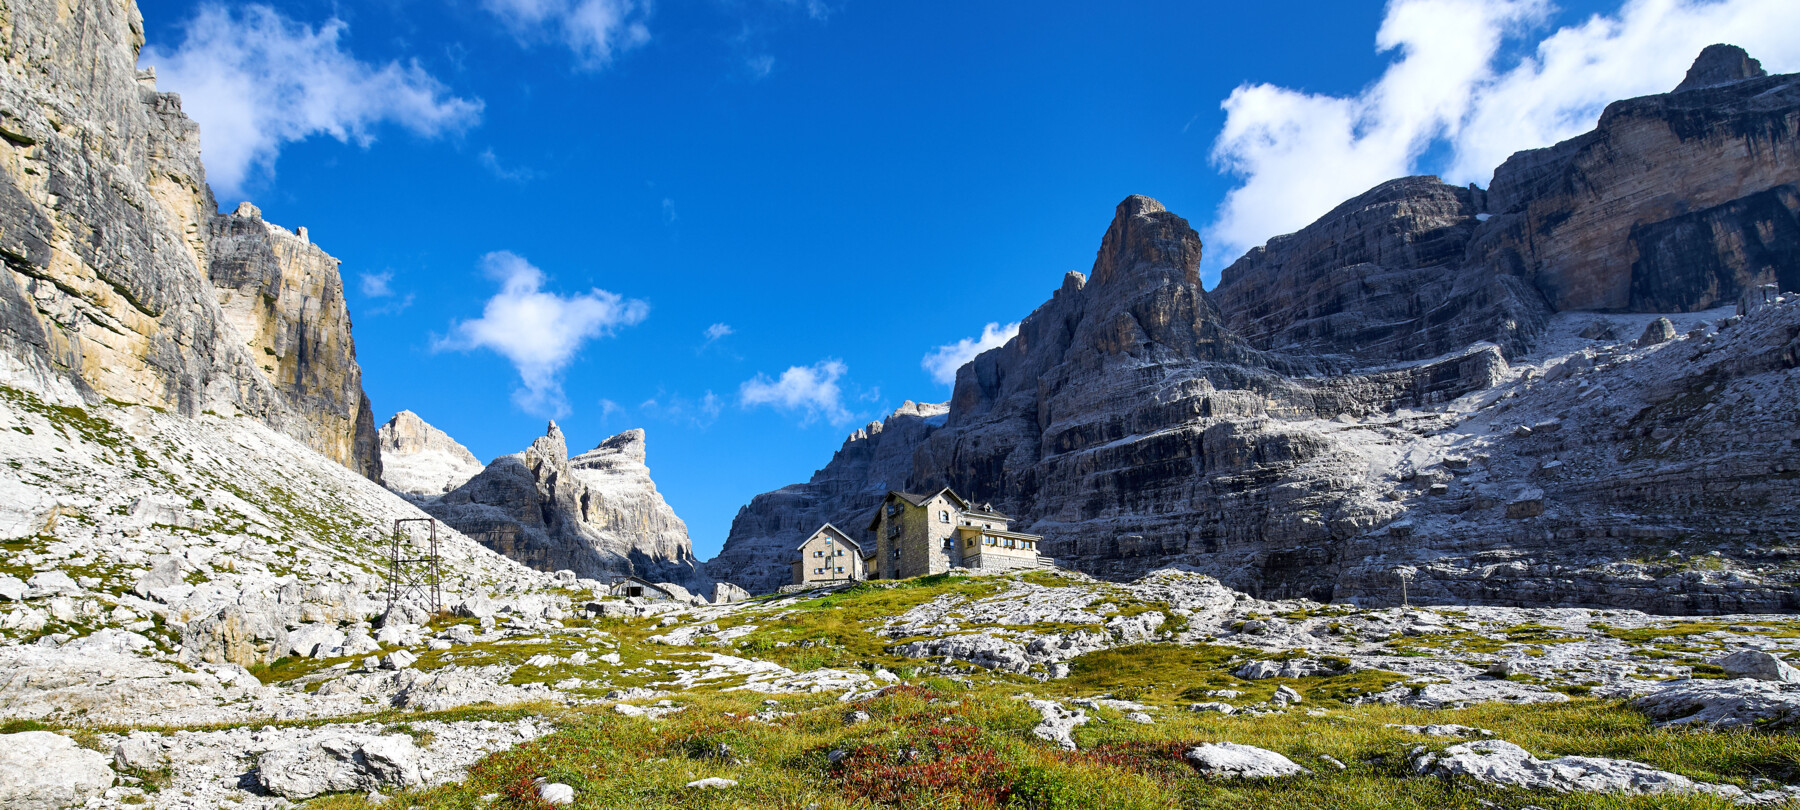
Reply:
x=629, y=446
x=420, y=460
x=1145, y=236
x=1721, y=64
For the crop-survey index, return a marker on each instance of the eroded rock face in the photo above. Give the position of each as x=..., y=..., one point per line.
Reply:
x=1433, y=379
x=420, y=460
x=1379, y=279
x=1133, y=429
x=872, y=461
x=598, y=514
x=122, y=282
x=1674, y=203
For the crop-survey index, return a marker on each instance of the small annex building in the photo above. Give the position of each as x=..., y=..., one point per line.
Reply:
x=828, y=555
x=642, y=588
x=916, y=535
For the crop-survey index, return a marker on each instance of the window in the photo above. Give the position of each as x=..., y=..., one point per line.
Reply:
x=893, y=509
x=893, y=530
x=840, y=552
x=944, y=516
x=840, y=569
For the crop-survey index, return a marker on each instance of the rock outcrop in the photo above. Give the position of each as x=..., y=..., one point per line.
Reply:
x=121, y=280
x=1378, y=279
x=873, y=460
x=420, y=461
x=597, y=514
x=1435, y=386
x=1673, y=203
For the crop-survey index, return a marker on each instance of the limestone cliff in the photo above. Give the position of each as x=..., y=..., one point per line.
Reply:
x=112, y=246
x=598, y=514
x=421, y=461
x=1380, y=279
x=873, y=460
x=1435, y=381
x=1674, y=203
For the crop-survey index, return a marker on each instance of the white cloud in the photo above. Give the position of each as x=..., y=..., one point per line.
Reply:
x=255, y=80
x=943, y=361
x=700, y=413
x=516, y=174
x=377, y=285
x=538, y=331
x=811, y=390
x=380, y=286
x=596, y=31
x=1299, y=154
x=719, y=330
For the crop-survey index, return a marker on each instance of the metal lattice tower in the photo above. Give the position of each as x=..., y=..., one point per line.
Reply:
x=415, y=569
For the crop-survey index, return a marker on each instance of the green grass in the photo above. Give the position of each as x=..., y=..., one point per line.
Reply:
x=948, y=747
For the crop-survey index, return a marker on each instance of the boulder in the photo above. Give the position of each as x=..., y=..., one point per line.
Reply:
x=555, y=793
x=51, y=583
x=335, y=764
x=313, y=640
x=44, y=771
x=1760, y=666
x=1058, y=724
x=1497, y=762
x=1660, y=330
x=1736, y=703
x=12, y=589
x=1234, y=761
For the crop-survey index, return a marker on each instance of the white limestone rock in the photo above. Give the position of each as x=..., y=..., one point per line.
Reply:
x=44, y=771
x=339, y=763
x=1735, y=703
x=1234, y=761
x=1497, y=762
x=1059, y=723
x=1759, y=665
x=420, y=460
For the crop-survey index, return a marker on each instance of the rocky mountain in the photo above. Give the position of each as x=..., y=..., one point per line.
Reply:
x=1472, y=389
x=872, y=461
x=597, y=514
x=421, y=461
x=121, y=280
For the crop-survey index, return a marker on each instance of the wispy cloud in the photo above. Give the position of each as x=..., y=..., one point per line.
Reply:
x=595, y=31
x=539, y=332
x=811, y=391
x=700, y=413
x=1299, y=154
x=513, y=174
x=380, y=287
x=256, y=80
x=719, y=330
x=943, y=361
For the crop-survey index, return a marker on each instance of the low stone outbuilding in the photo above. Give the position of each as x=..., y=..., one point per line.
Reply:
x=634, y=586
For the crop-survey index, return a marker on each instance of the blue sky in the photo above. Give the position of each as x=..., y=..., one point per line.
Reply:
x=744, y=225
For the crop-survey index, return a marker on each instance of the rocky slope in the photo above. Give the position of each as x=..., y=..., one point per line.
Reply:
x=421, y=461
x=1419, y=381
x=872, y=461
x=121, y=280
x=597, y=514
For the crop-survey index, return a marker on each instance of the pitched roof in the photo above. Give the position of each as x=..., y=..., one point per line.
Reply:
x=841, y=535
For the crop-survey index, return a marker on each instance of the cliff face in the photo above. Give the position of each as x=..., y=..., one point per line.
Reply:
x=1434, y=380
x=873, y=460
x=109, y=236
x=1674, y=203
x=598, y=514
x=1380, y=279
x=421, y=461
x=1133, y=430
